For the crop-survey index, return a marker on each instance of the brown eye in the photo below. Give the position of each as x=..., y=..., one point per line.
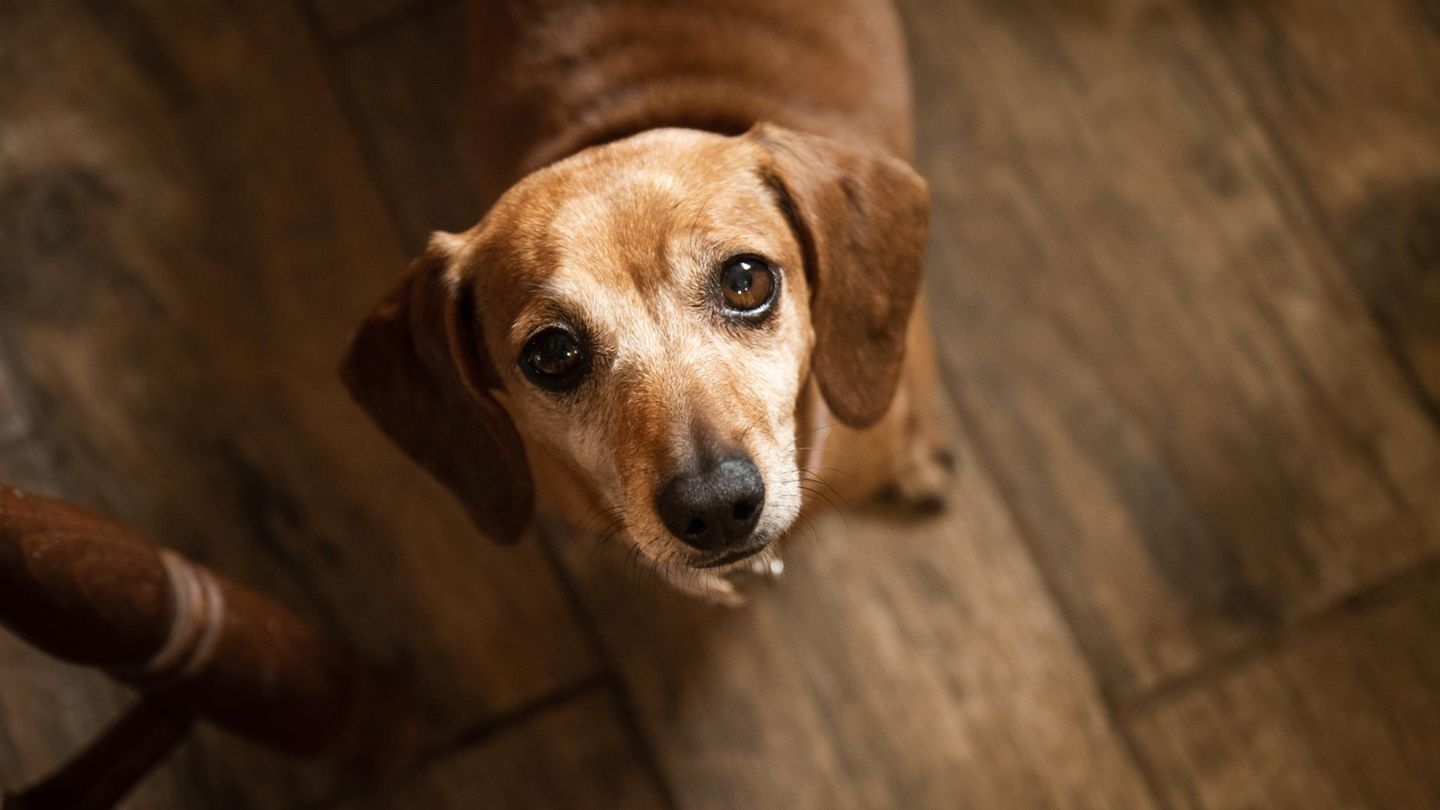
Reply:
x=747, y=284
x=555, y=359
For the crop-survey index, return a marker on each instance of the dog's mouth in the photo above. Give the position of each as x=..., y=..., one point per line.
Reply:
x=730, y=557
x=734, y=555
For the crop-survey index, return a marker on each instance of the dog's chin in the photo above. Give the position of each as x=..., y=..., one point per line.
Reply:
x=709, y=576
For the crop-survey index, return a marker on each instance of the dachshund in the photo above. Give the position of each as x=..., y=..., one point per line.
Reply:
x=692, y=309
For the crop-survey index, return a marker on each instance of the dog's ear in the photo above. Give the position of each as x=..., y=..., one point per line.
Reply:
x=419, y=366
x=861, y=218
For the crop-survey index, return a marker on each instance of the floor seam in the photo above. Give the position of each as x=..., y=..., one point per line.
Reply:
x=624, y=704
x=1272, y=641
x=1148, y=778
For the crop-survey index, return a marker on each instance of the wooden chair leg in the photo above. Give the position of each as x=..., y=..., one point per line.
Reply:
x=100, y=776
x=88, y=589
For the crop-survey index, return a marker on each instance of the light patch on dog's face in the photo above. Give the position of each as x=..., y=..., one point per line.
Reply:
x=620, y=250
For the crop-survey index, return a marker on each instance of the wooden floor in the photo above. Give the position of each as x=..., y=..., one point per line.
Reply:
x=1186, y=272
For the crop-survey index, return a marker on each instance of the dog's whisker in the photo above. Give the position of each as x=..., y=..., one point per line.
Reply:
x=825, y=426
x=617, y=530
x=815, y=479
x=822, y=496
x=746, y=432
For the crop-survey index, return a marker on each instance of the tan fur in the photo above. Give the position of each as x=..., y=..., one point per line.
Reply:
x=623, y=234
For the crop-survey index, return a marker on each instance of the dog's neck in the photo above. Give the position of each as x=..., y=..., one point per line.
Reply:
x=621, y=119
x=658, y=78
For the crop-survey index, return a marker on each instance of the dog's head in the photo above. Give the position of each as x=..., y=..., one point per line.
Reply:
x=650, y=311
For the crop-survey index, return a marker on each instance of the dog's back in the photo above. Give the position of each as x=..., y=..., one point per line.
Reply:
x=551, y=77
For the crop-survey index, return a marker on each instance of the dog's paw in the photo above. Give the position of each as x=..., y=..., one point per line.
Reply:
x=923, y=484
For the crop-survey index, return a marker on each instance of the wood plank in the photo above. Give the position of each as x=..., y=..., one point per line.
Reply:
x=187, y=236
x=577, y=755
x=74, y=706
x=1343, y=715
x=344, y=18
x=1351, y=94
x=14, y=421
x=47, y=710
x=50, y=710
x=896, y=664
x=1201, y=431
x=406, y=84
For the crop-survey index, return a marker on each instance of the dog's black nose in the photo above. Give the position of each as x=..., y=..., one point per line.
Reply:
x=715, y=508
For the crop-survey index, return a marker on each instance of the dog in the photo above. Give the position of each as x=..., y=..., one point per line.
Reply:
x=692, y=311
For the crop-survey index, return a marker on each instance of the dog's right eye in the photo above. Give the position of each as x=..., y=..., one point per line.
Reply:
x=555, y=359
x=747, y=284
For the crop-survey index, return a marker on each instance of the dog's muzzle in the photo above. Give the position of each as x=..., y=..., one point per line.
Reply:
x=715, y=509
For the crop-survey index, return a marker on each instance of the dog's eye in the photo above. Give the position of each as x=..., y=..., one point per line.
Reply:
x=747, y=284
x=554, y=359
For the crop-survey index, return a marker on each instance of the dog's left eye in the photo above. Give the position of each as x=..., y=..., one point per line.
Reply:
x=747, y=284
x=555, y=359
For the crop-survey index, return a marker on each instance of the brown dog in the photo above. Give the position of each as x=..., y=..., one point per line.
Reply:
x=712, y=244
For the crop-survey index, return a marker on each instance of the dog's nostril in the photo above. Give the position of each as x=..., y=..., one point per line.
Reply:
x=715, y=507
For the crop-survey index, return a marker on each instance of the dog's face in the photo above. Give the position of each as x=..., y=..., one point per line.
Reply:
x=653, y=333
x=649, y=312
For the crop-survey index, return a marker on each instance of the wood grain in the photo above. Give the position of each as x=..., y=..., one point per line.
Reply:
x=85, y=588
x=187, y=235
x=576, y=755
x=1344, y=714
x=107, y=770
x=346, y=18
x=1350, y=93
x=49, y=710
x=14, y=421
x=896, y=664
x=407, y=86
x=1198, y=425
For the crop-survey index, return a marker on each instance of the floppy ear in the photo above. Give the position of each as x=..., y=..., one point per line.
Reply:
x=419, y=367
x=861, y=218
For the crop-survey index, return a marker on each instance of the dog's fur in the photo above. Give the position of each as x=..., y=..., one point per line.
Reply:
x=647, y=142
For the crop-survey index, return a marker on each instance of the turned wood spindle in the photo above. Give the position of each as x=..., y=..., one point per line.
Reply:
x=93, y=591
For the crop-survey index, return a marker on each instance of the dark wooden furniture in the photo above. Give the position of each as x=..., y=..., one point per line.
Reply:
x=93, y=591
